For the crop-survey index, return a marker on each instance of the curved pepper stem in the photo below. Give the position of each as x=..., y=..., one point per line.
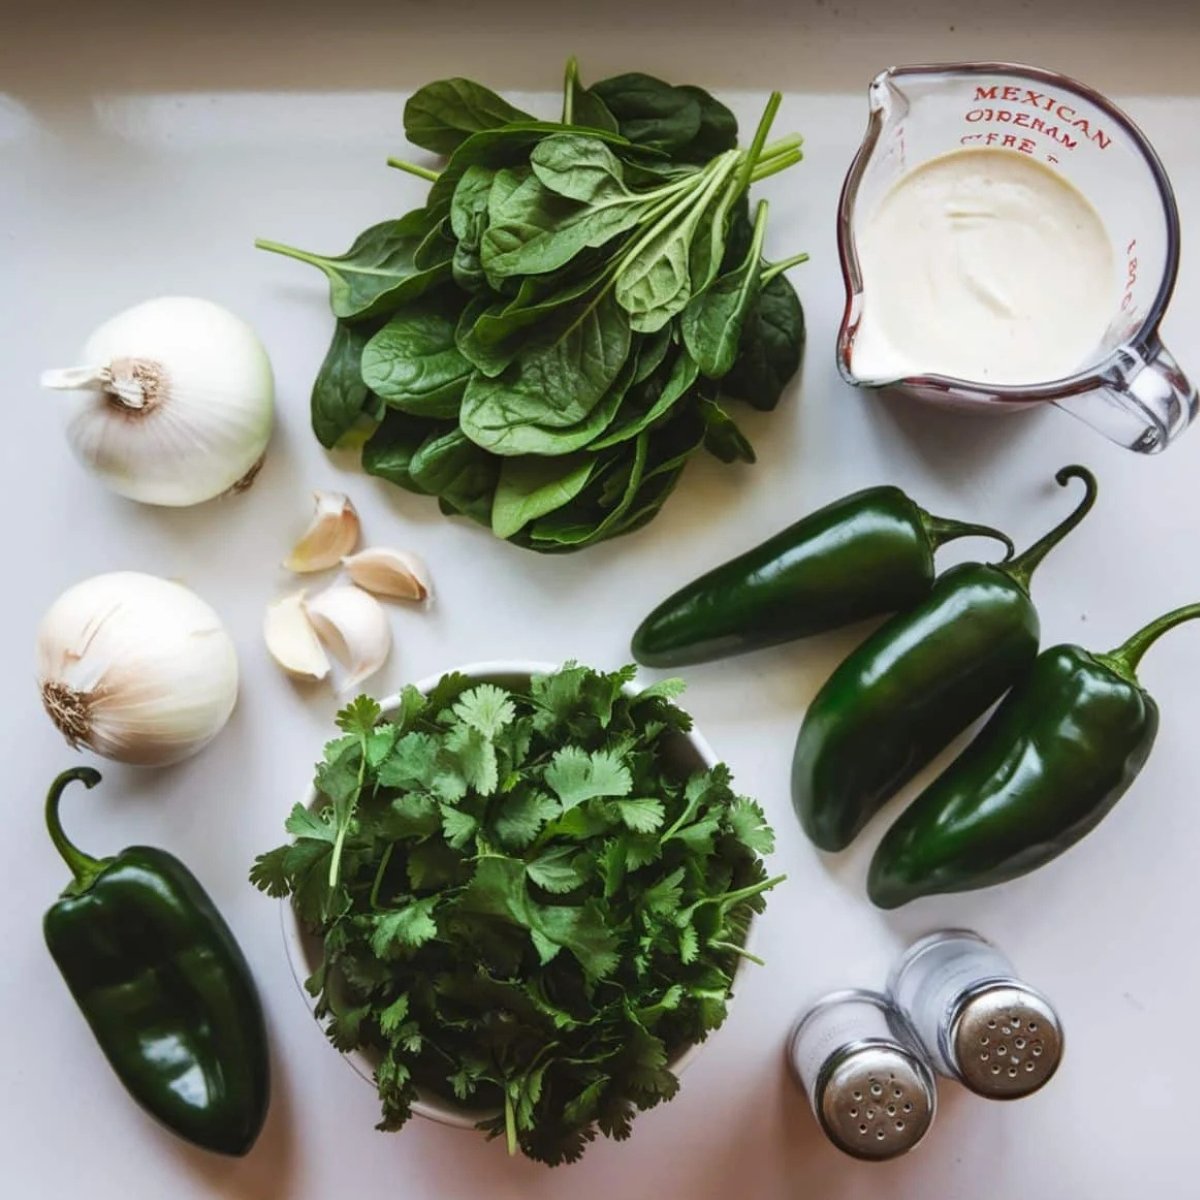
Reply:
x=940, y=530
x=1125, y=658
x=84, y=867
x=1022, y=567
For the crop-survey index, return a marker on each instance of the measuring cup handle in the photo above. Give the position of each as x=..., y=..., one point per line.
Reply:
x=1147, y=403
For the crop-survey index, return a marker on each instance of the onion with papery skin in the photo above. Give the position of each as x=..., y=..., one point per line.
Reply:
x=173, y=402
x=136, y=668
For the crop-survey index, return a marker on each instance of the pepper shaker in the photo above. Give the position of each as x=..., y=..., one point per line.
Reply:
x=872, y=1093
x=977, y=1021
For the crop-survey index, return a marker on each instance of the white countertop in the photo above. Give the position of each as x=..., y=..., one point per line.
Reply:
x=142, y=148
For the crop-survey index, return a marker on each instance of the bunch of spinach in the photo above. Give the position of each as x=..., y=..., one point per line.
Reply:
x=524, y=907
x=544, y=344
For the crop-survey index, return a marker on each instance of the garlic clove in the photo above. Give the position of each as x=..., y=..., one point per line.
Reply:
x=332, y=533
x=353, y=626
x=391, y=573
x=292, y=641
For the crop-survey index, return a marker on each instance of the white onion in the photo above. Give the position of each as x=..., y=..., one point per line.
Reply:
x=136, y=668
x=173, y=401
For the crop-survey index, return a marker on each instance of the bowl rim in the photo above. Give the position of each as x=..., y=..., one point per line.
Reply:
x=433, y=1108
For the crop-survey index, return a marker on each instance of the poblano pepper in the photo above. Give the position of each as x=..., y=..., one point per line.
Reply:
x=902, y=696
x=164, y=986
x=1060, y=751
x=866, y=554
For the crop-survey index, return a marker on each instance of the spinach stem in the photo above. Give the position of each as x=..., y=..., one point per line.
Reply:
x=760, y=140
x=288, y=251
x=774, y=165
x=571, y=77
x=413, y=169
x=779, y=267
x=792, y=142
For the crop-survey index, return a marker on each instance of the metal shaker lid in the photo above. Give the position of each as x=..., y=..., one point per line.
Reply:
x=1005, y=1040
x=875, y=1099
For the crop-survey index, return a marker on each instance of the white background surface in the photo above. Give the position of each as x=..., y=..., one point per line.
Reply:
x=141, y=150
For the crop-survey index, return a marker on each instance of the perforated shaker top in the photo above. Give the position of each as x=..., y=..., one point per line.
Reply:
x=876, y=1100
x=1006, y=1040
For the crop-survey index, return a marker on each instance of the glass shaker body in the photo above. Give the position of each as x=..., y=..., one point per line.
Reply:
x=977, y=1021
x=871, y=1092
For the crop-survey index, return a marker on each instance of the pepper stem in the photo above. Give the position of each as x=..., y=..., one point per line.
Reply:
x=940, y=530
x=84, y=867
x=1125, y=658
x=1023, y=566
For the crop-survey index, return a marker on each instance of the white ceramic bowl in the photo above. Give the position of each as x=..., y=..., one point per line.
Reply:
x=303, y=950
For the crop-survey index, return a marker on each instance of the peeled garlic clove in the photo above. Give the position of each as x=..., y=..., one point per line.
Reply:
x=292, y=641
x=354, y=627
x=391, y=573
x=332, y=534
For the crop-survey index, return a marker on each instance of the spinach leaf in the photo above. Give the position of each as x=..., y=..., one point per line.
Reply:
x=553, y=385
x=458, y=472
x=378, y=272
x=650, y=112
x=654, y=283
x=339, y=393
x=530, y=487
x=677, y=384
x=579, y=167
x=652, y=350
x=739, y=232
x=670, y=450
x=495, y=148
x=442, y=115
x=436, y=248
x=718, y=127
x=468, y=220
x=534, y=230
x=771, y=347
x=569, y=529
x=722, y=438
x=713, y=321
x=532, y=437
x=469, y=205
x=389, y=451
x=413, y=364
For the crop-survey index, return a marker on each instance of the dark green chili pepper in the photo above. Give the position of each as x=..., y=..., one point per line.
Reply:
x=915, y=684
x=863, y=555
x=164, y=986
x=1060, y=751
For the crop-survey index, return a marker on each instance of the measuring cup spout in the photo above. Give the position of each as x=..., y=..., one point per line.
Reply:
x=1145, y=402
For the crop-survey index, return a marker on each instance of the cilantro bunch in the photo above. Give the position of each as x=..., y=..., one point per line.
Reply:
x=525, y=907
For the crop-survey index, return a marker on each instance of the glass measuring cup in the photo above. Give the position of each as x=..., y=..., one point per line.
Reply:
x=1134, y=391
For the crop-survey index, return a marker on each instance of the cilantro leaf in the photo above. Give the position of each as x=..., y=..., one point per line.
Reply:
x=642, y=816
x=359, y=716
x=522, y=815
x=487, y=709
x=574, y=776
x=559, y=870
x=405, y=928
x=749, y=825
x=473, y=758
x=458, y=826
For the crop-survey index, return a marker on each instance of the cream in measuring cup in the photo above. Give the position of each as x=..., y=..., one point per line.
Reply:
x=985, y=265
x=1008, y=237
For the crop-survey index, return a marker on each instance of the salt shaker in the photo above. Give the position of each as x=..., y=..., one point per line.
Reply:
x=977, y=1021
x=872, y=1093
